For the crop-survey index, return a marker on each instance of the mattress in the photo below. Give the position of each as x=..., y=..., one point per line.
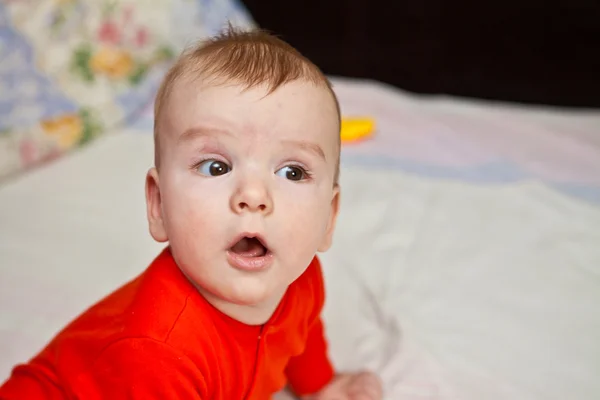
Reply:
x=465, y=265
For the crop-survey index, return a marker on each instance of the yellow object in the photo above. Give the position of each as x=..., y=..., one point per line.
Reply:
x=65, y=129
x=354, y=129
x=112, y=62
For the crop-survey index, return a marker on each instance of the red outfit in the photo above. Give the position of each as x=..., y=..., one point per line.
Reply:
x=158, y=338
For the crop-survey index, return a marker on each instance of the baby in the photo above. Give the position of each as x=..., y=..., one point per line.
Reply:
x=245, y=191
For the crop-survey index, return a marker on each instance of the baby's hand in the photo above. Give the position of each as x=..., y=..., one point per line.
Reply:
x=359, y=386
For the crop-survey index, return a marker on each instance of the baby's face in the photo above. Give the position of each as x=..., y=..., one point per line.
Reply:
x=246, y=185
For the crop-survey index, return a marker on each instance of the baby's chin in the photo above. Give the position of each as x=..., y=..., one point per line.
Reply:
x=252, y=304
x=249, y=294
x=243, y=294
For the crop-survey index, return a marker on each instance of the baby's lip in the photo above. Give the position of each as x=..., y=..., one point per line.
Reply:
x=249, y=235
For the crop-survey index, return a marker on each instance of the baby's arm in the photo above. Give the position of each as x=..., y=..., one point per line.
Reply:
x=311, y=374
x=311, y=370
x=141, y=368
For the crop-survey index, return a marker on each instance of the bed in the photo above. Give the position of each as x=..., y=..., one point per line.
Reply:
x=465, y=265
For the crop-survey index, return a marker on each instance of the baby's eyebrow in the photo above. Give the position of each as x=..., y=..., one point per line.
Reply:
x=311, y=147
x=201, y=131
x=211, y=132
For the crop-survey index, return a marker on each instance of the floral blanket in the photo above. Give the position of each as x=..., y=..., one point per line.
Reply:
x=71, y=70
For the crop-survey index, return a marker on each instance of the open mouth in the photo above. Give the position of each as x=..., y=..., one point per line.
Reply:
x=249, y=247
x=250, y=253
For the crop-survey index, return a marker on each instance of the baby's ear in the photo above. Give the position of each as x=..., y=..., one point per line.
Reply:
x=154, y=207
x=335, y=204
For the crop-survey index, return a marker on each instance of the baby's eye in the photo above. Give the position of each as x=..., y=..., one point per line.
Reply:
x=213, y=168
x=292, y=173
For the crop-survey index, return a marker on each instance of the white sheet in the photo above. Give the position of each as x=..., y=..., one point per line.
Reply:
x=451, y=289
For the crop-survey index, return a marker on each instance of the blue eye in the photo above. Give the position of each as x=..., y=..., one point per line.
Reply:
x=292, y=173
x=213, y=168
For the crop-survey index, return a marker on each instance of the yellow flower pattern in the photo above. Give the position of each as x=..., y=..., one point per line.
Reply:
x=66, y=129
x=112, y=62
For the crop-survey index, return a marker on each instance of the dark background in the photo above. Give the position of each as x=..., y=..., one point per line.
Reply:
x=527, y=51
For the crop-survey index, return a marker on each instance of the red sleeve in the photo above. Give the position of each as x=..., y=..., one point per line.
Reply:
x=310, y=371
x=141, y=368
x=31, y=381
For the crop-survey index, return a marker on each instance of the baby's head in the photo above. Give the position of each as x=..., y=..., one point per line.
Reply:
x=248, y=59
x=247, y=152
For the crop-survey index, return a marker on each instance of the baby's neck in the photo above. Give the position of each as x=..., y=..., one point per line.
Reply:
x=254, y=315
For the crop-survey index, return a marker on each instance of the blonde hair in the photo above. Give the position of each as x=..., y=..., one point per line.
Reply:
x=251, y=58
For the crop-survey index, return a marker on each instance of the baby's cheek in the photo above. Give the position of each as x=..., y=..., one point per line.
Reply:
x=304, y=221
x=190, y=217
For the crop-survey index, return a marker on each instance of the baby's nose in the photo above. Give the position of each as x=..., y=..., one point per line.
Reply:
x=253, y=197
x=251, y=207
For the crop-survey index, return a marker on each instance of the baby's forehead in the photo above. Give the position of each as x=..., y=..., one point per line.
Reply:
x=181, y=116
x=202, y=96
